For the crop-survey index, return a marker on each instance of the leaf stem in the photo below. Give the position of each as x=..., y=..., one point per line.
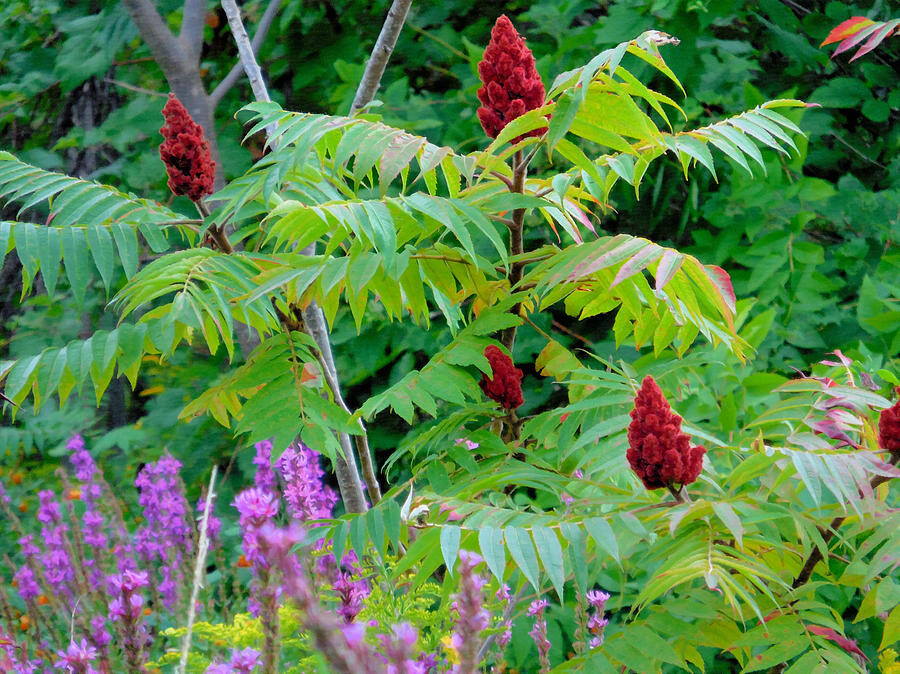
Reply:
x=516, y=231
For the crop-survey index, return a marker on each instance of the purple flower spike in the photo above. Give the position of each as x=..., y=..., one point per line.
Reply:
x=265, y=477
x=77, y=658
x=472, y=618
x=307, y=497
x=539, y=632
x=166, y=535
x=597, y=623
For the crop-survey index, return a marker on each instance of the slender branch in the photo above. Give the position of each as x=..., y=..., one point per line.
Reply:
x=815, y=556
x=191, y=37
x=199, y=566
x=167, y=51
x=313, y=318
x=384, y=46
x=262, y=29
x=131, y=87
x=314, y=323
x=505, y=221
x=502, y=178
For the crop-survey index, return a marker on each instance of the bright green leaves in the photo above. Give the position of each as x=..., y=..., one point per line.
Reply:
x=59, y=371
x=91, y=228
x=199, y=287
x=607, y=274
x=277, y=394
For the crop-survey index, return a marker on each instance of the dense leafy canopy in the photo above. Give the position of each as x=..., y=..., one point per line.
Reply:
x=687, y=216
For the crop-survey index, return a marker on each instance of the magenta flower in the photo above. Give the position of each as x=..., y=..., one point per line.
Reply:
x=77, y=658
x=471, y=616
x=539, y=632
x=306, y=495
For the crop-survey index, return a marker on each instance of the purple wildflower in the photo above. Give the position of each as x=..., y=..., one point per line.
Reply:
x=26, y=583
x=77, y=658
x=597, y=623
x=471, y=616
x=256, y=507
x=306, y=496
x=126, y=608
x=166, y=534
x=398, y=650
x=503, y=594
x=244, y=660
x=539, y=632
x=55, y=560
x=265, y=477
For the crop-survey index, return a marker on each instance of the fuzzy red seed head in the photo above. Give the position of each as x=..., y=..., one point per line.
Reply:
x=511, y=84
x=658, y=452
x=185, y=152
x=505, y=387
x=889, y=429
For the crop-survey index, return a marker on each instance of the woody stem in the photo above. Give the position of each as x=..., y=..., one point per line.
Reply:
x=815, y=556
x=217, y=233
x=516, y=231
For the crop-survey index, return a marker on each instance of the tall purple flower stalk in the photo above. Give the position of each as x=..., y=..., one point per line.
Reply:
x=471, y=616
x=343, y=645
x=55, y=560
x=306, y=495
x=127, y=609
x=597, y=623
x=257, y=508
x=165, y=536
x=93, y=522
x=308, y=499
x=539, y=632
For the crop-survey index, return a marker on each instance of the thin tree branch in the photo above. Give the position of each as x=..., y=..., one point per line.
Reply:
x=313, y=318
x=167, y=51
x=262, y=29
x=816, y=555
x=131, y=87
x=384, y=46
x=191, y=36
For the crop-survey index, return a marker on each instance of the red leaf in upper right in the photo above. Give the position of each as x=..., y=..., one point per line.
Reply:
x=847, y=28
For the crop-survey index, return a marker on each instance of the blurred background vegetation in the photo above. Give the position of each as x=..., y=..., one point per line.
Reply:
x=809, y=244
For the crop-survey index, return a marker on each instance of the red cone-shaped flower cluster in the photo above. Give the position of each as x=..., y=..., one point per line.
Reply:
x=889, y=429
x=505, y=386
x=512, y=86
x=185, y=152
x=658, y=452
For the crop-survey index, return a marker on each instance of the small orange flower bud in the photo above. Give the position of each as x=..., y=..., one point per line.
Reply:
x=17, y=478
x=24, y=623
x=74, y=494
x=243, y=563
x=42, y=600
x=23, y=507
x=148, y=610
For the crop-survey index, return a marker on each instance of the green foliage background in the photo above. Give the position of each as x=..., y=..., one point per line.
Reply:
x=810, y=238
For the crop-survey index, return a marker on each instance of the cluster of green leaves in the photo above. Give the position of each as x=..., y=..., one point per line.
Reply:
x=410, y=231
